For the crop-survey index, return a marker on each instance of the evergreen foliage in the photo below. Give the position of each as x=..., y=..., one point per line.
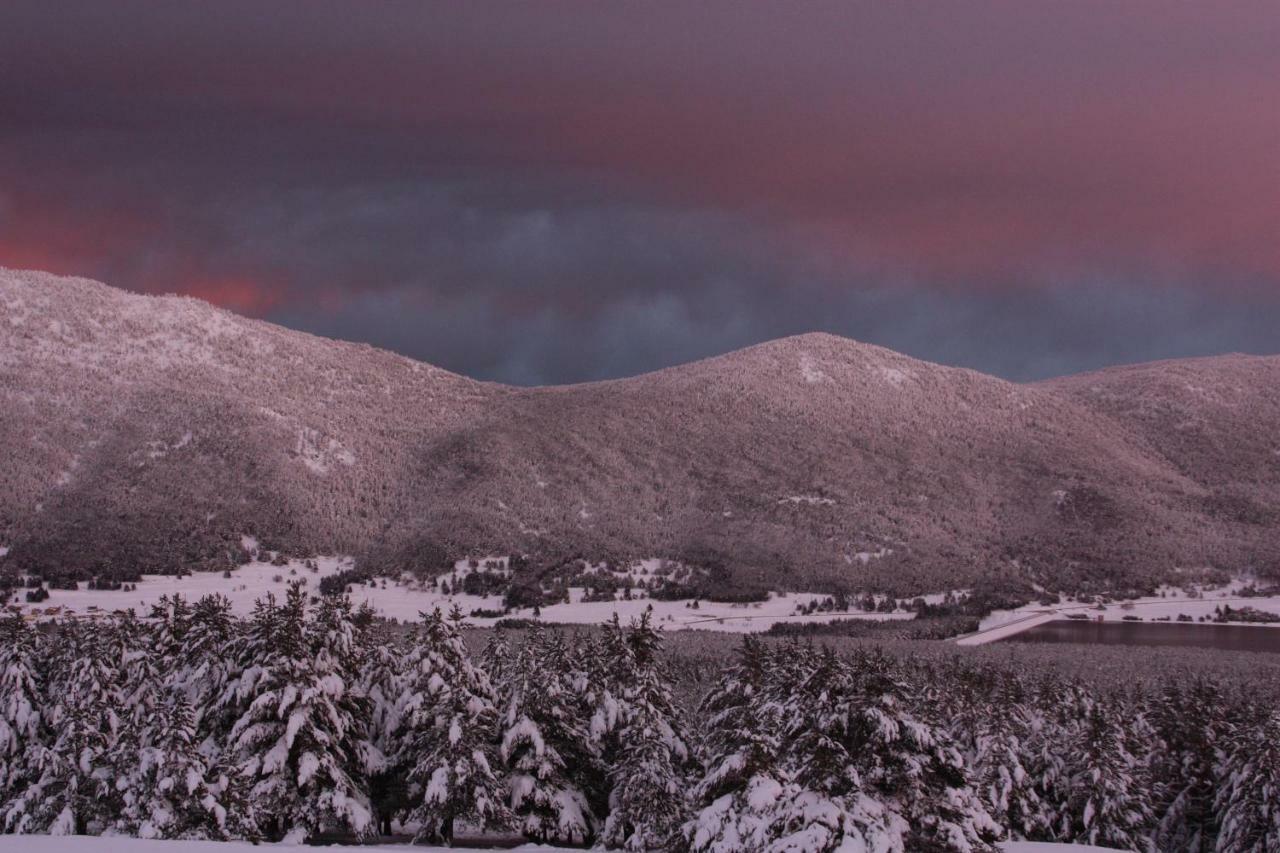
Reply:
x=307, y=719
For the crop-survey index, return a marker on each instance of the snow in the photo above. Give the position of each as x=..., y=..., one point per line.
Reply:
x=1194, y=602
x=407, y=598
x=811, y=500
x=1005, y=630
x=1045, y=847
x=810, y=371
x=85, y=844
x=895, y=376
x=318, y=455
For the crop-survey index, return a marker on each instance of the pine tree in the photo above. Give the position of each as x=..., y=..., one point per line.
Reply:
x=829, y=807
x=211, y=659
x=22, y=730
x=1109, y=801
x=169, y=793
x=74, y=784
x=1247, y=808
x=383, y=681
x=496, y=658
x=911, y=766
x=297, y=738
x=738, y=794
x=449, y=726
x=1000, y=774
x=1192, y=726
x=544, y=735
x=647, y=757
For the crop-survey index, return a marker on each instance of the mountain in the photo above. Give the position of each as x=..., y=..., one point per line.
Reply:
x=152, y=433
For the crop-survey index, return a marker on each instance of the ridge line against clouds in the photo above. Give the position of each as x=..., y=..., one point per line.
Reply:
x=535, y=198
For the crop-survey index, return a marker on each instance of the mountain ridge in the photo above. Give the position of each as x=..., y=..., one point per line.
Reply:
x=152, y=432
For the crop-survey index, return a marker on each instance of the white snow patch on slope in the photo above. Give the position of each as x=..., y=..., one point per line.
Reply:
x=320, y=455
x=895, y=376
x=811, y=500
x=810, y=371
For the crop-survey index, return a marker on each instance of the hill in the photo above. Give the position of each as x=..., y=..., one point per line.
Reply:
x=152, y=433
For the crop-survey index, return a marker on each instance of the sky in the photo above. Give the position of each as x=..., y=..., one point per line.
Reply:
x=548, y=192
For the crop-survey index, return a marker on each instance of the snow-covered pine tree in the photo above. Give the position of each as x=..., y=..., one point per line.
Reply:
x=1110, y=797
x=496, y=659
x=1192, y=726
x=544, y=735
x=648, y=759
x=383, y=681
x=22, y=731
x=999, y=773
x=744, y=778
x=448, y=737
x=827, y=808
x=168, y=791
x=296, y=740
x=1247, y=807
x=73, y=788
x=1053, y=714
x=135, y=647
x=909, y=765
x=210, y=663
x=170, y=623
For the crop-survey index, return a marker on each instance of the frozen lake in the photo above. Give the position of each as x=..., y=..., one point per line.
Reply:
x=1242, y=638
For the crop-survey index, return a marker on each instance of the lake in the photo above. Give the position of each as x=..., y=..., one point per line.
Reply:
x=1240, y=638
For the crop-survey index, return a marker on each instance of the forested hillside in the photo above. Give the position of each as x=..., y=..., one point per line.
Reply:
x=149, y=434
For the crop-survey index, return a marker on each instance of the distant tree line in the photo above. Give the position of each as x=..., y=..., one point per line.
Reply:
x=309, y=719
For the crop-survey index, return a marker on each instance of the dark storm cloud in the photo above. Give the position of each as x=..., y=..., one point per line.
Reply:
x=544, y=193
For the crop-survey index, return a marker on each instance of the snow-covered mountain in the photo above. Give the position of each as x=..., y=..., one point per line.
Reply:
x=153, y=432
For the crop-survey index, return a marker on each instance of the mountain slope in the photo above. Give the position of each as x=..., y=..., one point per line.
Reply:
x=153, y=432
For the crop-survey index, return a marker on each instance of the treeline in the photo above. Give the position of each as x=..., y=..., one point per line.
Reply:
x=309, y=719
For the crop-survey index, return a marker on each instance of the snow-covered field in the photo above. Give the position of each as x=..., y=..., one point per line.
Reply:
x=81, y=844
x=406, y=599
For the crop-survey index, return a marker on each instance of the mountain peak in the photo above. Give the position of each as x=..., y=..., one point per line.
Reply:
x=152, y=433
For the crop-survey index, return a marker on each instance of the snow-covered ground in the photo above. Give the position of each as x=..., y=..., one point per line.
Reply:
x=1038, y=847
x=406, y=599
x=1166, y=605
x=82, y=844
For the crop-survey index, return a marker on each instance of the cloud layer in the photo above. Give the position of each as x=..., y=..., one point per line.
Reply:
x=539, y=194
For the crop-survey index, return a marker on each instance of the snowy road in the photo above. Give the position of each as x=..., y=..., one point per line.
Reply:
x=1007, y=629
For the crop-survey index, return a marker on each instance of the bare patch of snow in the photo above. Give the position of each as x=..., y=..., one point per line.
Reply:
x=895, y=376
x=810, y=371
x=319, y=454
x=811, y=500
